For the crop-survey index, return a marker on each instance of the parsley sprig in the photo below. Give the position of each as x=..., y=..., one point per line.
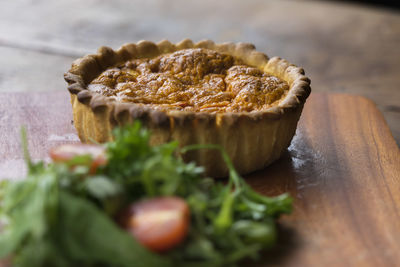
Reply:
x=63, y=216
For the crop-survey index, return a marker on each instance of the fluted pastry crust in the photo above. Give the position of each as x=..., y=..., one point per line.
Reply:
x=252, y=139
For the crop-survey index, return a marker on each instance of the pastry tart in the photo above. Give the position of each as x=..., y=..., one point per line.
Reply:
x=196, y=93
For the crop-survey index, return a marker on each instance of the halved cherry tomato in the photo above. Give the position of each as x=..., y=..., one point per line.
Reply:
x=159, y=224
x=67, y=152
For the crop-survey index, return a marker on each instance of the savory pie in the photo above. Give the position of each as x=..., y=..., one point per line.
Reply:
x=204, y=93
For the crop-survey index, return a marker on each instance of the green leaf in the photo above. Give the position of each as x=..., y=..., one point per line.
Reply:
x=91, y=237
x=102, y=187
x=256, y=232
x=224, y=219
x=29, y=206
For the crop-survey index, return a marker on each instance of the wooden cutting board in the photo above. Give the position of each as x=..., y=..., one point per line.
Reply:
x=343, y=169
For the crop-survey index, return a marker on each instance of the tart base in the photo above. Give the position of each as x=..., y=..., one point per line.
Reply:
x=252, y=144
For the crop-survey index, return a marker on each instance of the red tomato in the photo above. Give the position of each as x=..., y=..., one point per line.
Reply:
x=66, y=152
x=159, y=224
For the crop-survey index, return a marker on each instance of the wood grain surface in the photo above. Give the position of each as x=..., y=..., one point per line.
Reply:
x=343, y=47
x=342, y=168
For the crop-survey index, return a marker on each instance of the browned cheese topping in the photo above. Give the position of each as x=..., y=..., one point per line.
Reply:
x=193, y=80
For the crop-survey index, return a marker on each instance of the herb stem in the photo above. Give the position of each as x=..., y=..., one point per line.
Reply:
x=24, y=141
x=233, y=175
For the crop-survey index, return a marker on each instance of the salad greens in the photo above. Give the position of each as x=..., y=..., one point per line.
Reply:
x=63, y=216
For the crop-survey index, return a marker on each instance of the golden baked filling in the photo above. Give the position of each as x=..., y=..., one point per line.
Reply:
x=195, y=79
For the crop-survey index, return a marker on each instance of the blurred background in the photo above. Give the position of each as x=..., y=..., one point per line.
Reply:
x=344, y=46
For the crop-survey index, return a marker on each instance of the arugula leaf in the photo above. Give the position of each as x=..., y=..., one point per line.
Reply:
x=29, y=208
x=91, y=237
x=101, y=187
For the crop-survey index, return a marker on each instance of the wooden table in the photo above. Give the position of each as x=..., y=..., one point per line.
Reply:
x=343, y=48
x=342, y=169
